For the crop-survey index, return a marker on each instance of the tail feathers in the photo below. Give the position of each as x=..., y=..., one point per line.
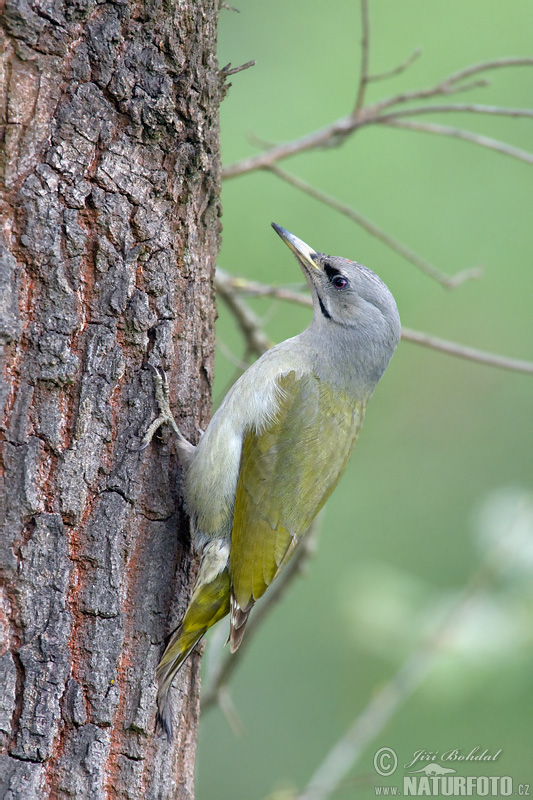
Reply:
x=177, y=652
x=209, y=603
x=238, y=620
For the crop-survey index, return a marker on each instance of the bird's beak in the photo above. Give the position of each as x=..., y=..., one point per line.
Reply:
x=305, y=255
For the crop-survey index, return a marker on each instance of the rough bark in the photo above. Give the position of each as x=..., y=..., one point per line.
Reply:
x=111, y=230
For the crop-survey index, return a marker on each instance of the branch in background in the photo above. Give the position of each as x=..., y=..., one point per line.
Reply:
x=229, y=70
x=452, y=84
x=468, y=353
x=229, y=286
x=240, y=363
x=345, y=754
x=223, y=668
x=378, y=233
x=484, y=66
x=255, y=337
x=337, y=132
x=458, y=133
x=391, y=73
x=365, y=55
x=256, y=289
x=469, y=108
x=311, y=141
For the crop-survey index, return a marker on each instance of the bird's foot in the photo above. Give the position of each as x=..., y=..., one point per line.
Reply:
x=165, y=416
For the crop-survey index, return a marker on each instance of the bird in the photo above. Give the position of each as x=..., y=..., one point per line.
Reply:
x=276, y=448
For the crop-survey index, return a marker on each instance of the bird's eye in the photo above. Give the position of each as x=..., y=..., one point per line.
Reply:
x=339, y=282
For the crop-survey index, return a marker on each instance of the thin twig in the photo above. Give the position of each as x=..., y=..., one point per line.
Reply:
x=227, y=707
x=468, y=353
x=240, y=363
x=242, y=286
x=365, y=53
x=346, y=752
x=467, y=136
x=449, y=86
x=484, y=66
x=229, y=70
x=378, y=233
x=256, y=339
x=256, y=289
x=311, y=141
x=223, y=668
x=391, y=73
x=470, y=108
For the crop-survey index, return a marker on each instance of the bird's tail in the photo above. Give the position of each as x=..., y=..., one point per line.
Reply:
x=238, y=620
x=209, y=603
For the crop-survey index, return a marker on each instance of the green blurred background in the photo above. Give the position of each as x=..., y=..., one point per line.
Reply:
x=444, y=463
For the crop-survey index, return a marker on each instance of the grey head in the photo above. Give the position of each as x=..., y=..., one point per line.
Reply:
x=353, y=308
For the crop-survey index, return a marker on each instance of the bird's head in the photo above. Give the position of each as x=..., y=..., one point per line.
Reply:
x=346, y=293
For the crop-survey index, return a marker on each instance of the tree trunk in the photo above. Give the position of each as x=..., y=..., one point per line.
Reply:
x=111, y=231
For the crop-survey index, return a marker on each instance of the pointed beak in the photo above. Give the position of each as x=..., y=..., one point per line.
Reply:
x=305, y=255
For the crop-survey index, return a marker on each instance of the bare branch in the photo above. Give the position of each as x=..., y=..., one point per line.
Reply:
x=240, y=363
x=319, y=138
x=242, y=286
x=442, y=88
x=391, y=73
x=256, y=339
x=365, y=52
x=346, y=752
x=485, y=66
x=448, y=85
x=470, y=108
x=230, y=712
x=469, y=353
x=224, y=667
x=255, y=289
x=378, y=233
x=467, y=136
x=337, y=132
x=229, y=70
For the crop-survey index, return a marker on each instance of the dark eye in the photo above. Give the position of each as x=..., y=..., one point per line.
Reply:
x=339, y=282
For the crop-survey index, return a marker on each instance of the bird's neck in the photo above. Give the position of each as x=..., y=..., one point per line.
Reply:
x=346, y=357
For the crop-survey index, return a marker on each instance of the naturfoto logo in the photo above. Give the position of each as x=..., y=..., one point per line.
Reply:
x=430, y=773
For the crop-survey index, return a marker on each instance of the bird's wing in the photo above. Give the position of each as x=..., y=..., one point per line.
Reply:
x=287, y=472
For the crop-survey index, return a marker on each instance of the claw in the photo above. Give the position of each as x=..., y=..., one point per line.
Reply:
x=141, y=447
x=165, y=416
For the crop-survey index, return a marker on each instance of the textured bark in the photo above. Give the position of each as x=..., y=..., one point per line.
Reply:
x=111, y=230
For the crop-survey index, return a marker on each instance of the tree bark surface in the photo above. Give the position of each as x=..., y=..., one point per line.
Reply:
x=110, y=235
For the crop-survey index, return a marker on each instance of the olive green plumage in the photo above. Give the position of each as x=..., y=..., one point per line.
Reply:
x=278, y=495
x=209, y=603
x=276, y=448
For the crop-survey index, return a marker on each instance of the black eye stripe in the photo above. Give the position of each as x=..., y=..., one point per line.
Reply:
x=331, y=271
x=335, y=276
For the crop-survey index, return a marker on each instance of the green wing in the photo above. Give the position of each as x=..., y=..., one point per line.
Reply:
x=287, y=473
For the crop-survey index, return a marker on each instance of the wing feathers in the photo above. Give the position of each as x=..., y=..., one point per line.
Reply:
x=286, y=474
